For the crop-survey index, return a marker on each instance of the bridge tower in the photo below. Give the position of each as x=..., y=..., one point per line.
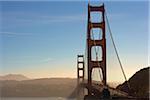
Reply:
x=80, y=77
x=100, y=43
x=80, y=68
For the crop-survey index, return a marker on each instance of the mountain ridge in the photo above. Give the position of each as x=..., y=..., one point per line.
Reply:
x=17, y=77
x=55, y=87
x=45, y=87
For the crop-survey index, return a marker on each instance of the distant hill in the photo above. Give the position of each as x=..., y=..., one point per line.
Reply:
x=20, y=86
x=139, y=84
x=17, y=77
x=45, y=87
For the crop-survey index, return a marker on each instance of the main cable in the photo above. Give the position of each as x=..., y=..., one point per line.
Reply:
x=111, y=36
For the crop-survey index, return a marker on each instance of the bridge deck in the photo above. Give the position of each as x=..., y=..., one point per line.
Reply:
x=97, y=88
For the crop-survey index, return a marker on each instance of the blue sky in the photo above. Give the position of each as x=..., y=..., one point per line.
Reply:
x=42, y=39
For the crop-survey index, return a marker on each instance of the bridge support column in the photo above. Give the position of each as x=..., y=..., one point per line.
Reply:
x=80, y=68
x=80, y=77
x=91, y=42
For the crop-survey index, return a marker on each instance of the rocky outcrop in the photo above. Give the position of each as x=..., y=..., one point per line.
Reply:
x=138, y=84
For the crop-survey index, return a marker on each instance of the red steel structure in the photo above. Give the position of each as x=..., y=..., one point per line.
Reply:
x=101, y=43
x=97, y=91
x=80, y=68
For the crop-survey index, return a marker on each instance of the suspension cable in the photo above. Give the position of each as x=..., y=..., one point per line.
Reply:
x=111, y=36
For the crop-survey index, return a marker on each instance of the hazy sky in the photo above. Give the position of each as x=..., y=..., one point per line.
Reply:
x=42, y=39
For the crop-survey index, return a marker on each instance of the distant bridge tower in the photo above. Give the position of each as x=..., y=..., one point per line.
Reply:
x=80, y=77
x=100, y=43
x=80, y=68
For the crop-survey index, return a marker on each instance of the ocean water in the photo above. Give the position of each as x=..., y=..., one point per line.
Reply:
x=35, y=98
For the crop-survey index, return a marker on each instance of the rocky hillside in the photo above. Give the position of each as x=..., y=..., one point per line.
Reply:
x=139, y=84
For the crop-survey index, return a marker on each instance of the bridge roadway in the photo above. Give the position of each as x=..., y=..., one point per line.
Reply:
x=114, y=93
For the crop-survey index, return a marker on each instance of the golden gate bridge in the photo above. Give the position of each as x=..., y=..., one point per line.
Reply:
x=88, y=89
